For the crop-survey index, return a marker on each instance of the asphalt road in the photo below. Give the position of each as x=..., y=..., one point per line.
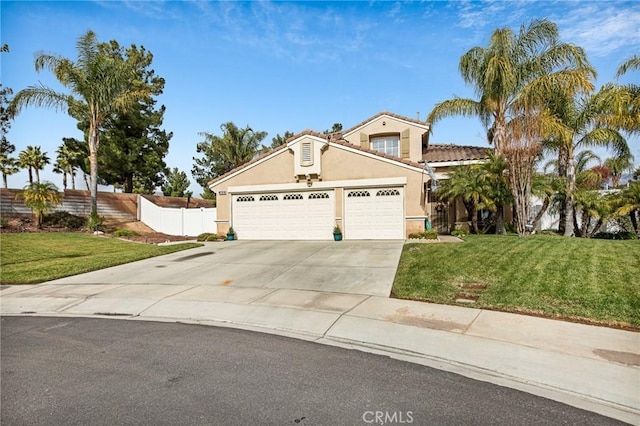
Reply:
x=76, y=371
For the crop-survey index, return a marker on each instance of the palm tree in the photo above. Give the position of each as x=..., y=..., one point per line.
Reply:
x=512, y=69
x=582, y=126
x=618, y=165
x=8, y=166
x=239, y=145
x=33, y=159
x=495, y=170
x=40, y=198
x=630, y=204
x=470, y=184
x=68, y=157
x=630, y=119
x=100, y=85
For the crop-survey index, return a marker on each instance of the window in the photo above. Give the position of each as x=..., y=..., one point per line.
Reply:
x=318, y=195
x=387, y=192
x=268, y=198
x=292, y=197
x=387, y=144
x=245, y=198
x=358, y=194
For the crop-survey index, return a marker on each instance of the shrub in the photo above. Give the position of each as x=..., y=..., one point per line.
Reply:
x=207, y=236
x=125, y=233
x=621, y=235
x=64, y=220
x=95, y=222
x=460, y=233
x=3, y=222
x=426, y=235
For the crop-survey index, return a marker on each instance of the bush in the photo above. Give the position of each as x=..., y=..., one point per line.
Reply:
x=3, y=222
x=207, y=236
x=621, y=235
x=125, y=233
x=426, y=235
x=460, y=233
x=63, y=220
x=95, y=222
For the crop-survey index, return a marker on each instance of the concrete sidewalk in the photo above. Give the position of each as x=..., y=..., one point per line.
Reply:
x=594, y=368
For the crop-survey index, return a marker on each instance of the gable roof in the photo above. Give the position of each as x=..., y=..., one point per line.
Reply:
x=388, y=114
x=440, y=153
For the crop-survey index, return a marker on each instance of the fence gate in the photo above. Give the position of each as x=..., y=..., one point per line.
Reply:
x=439, y=214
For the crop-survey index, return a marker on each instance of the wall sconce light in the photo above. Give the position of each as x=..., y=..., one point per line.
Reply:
x=308, y=180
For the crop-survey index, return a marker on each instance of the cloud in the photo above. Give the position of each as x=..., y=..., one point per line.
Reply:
x=602, y=30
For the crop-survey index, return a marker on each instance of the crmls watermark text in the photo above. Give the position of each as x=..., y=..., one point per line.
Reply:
x=387, y=417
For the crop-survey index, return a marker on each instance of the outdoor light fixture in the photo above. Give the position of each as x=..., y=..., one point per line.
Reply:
x=431, y=173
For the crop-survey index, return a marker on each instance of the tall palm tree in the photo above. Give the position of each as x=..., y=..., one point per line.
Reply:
x=582, y=126
x=515, y=67
x=9, y=166
x=100, y=85
x=40, y=198
x=631, y=106
x=33, y=159
x=495, y=170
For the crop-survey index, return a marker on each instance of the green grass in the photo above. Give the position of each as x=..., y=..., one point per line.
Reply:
x=572, y=278
x=38, y=257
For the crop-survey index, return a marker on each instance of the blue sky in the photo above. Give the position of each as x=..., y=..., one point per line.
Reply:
x=280, y=66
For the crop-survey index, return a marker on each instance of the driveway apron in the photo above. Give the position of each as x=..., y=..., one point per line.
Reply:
x=354, y=267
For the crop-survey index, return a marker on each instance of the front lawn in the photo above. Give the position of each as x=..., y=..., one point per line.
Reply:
x=29, y=258
x=596, y=281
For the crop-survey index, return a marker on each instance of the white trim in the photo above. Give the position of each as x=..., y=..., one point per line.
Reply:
x=388, y=117
x=397, y=162
x=302, y=186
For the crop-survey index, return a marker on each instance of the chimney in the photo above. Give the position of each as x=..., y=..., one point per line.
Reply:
x=418, y=115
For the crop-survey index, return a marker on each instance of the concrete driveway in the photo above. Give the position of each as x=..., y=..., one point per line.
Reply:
x=355, y=267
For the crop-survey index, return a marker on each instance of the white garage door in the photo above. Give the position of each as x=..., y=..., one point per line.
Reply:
x=373, y=214
x=301, y=215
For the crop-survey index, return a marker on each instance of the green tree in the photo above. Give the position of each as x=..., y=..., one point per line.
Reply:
x=630, y=204
x=176, y=184
x=9, y=166
x=100, y=86
x=280, y=140
x=221, y=154
x=618, y=166
x=133, y=143
x=471, y=185
x=582, y=126
x=68, y=157
x=40, y=198
x=513, y=70
x=337, y=127
x=33, y=159
x=629, y=119
x=496, y=173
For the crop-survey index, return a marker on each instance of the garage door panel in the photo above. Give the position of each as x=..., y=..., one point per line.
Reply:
x=301, y=215
x=374, y=213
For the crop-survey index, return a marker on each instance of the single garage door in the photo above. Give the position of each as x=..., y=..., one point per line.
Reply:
x=300, y=215
x=374, y=214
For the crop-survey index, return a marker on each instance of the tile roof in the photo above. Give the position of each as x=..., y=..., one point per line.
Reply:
x=440, y=153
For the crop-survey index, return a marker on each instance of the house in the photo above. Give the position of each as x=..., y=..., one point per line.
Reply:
x=373, y=180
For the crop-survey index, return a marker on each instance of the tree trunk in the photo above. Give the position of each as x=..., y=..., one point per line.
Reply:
x=499, y=133
x=562, y=173
x=586, y=220
x=30, y=175
x=94, y=142
x=571, y=186
x=64, y=180
x=576, y=230
x=4, y=180
x=500, y=229
x=474, y=219
x=73, y=178
x=543, y=210
x=595, y=228
x=632, y=216
x=37, y=174
x=128, y=183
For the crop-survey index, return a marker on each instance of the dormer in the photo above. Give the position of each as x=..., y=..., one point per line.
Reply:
x=391, y=134
x=307, y=156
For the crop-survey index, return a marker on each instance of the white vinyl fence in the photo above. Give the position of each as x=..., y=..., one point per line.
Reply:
x=177, y=221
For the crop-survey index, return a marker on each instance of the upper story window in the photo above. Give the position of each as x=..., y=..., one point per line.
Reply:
x=386, y=144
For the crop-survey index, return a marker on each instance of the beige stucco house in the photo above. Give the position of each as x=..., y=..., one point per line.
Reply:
x=373, y=180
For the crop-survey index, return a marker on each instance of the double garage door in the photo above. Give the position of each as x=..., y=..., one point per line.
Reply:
x=368, y=213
